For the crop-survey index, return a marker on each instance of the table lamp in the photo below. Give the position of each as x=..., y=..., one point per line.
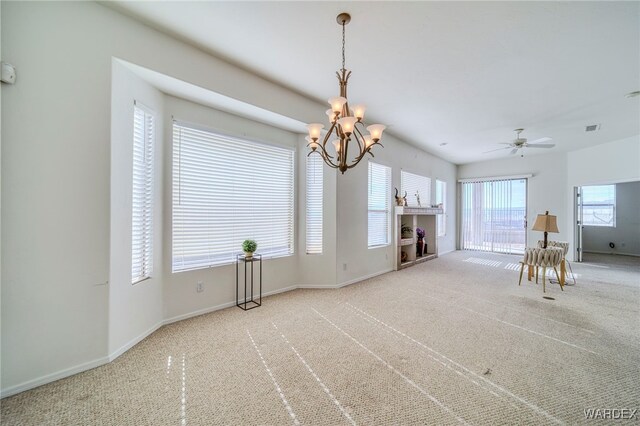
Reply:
x=545, y=223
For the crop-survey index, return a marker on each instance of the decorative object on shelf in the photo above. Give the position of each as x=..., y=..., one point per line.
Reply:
x=406, y=231
x=420, y=245
x=418, y=198
x=401, y=201
x=346, y=123
x=404, y=256
x=249, y=246
x=546, y=223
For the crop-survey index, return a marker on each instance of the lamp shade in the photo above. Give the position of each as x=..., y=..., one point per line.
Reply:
x=546, y=223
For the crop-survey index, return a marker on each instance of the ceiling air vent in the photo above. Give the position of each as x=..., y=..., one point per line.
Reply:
x=592, y=128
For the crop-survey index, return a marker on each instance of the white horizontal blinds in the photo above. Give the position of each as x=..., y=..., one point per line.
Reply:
x=599, y=205
x=314, y=204
x=493, y=215
x=414, y=184
x=379, y=194
x=142, y=195
x=226, y=190
x=441, y=198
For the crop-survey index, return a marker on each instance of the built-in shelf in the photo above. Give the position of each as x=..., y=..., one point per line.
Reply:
x=406, y=248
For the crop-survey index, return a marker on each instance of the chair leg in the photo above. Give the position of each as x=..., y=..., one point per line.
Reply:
x=560, y=281
x=544, y=273
x=529, y=272
x=563, y=272
x=521, y=271
x=537, y=269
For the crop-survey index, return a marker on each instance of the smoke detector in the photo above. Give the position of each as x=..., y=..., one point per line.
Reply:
x=592, y=128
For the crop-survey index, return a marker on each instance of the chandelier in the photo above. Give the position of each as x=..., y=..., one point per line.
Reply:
x=345, y=125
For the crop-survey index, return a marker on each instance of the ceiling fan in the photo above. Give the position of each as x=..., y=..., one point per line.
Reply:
x=521, y=143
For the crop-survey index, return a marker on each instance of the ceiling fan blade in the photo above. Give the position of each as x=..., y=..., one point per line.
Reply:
x=539, y=140
x=499, y=149
x=541, y=145
x=513, y=151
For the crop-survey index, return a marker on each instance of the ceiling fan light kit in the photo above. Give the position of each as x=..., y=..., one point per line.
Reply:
x=345, y=123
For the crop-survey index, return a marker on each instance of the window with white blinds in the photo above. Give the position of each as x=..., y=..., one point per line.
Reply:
x=227, y=190
x=415, y=185
x=493, y=215
x=314, y=204
x=142, y=195
x=441, y=198
x=379, y=189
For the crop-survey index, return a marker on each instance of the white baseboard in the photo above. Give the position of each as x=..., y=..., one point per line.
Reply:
x=30, y=384
x=221, y=306
x=616, y=253
x=446, y=252
x=115, y=354
x=366, y=277
x=316, y=286
x=43, y=380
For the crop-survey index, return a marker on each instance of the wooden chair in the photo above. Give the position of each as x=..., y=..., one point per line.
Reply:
x=536, y=257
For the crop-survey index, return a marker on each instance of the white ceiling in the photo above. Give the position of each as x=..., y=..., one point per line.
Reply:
x=461, y=73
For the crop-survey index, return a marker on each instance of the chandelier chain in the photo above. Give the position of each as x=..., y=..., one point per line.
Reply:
x=343, y=44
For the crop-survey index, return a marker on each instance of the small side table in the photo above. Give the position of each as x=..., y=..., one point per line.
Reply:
x=248, y=279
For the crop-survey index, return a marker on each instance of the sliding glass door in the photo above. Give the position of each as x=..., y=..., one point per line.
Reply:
x=494, y=215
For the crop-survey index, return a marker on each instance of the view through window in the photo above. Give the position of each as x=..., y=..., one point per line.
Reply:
x=494, y=215
x=599, y=205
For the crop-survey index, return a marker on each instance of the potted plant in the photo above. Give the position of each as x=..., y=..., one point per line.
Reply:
x=406, y=231
x=420, y=244
x=249, y=246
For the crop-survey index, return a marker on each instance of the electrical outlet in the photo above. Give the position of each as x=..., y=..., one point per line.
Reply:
x=199, y=287
x=344, y=266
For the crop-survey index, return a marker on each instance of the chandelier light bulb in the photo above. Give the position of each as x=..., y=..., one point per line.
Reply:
x=368, y=141
x=314, y=130
x=347, y=124
x=312, y=144
x=358, y=111
x=331, y=115
x=336, y=145
x=376, y=131
x=337, y=103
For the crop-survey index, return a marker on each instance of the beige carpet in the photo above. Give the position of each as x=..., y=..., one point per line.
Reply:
x=451, y=341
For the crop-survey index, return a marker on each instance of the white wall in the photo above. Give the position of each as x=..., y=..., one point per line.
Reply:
x=317, y=270
x=56, y=174
x=614, y=162
x=180, y=296
x=134, y=310
x=626, y=234
x=58, y=184
x=546, y=189
x=352, y=200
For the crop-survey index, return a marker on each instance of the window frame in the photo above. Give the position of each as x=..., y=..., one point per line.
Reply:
x=147, y=168
x=612, y=206
x=405, y=177
x=314, y=197
x=387, y=203
x=229, y=147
